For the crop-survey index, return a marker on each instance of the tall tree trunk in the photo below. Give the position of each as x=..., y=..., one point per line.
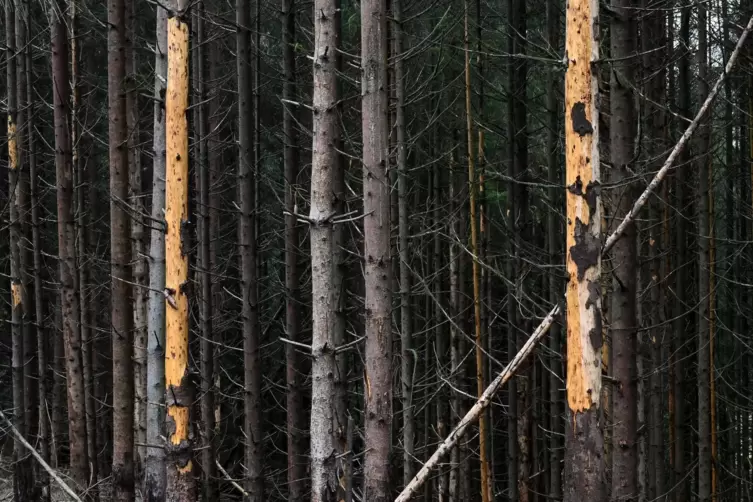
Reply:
x=21, y=478
x=704, y=161
x=138, y=250
x=681, y=480
x=295, y=412
x=154, y=471
x=584, y=441
x=378, y=270
x=247, y=250
x=206, y=300
x=622, y=129
x=67, y=238
x=554, y=178
x=121, y=306
x=43, y=411
x=408, y=360
x=178, y=385
x=84, y=223
x=323, y=267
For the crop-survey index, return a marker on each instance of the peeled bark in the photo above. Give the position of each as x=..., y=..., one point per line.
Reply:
x=66, y=238
x=248, y=262
x=624, y=322
x=584, y=440
x=179, y=388
x=378, y=269
x=154, y=470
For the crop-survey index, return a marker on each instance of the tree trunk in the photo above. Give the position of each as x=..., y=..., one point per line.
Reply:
x=296, y=425
x=154, y=471
x=554, y=178
x=704, y=161
x=378, y=270
x=584, y=442
x=622, y=129
x=323, y=211
x=178, y=385
x=121, y=306
x=67, y=239
x=247, y=250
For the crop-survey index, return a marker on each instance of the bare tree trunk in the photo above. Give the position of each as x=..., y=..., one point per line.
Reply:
x=179, y=388
x=554, y=178
x=247, y=250
x=622, y=130
x=209, y=486
x=378, y=270
x=408, y=360
x=324, y=209
x=154, y=472
x=66, y=239
x=295, y=412
x=121, y=306
x=704, y=234
x=584, y=441
x=138, y=251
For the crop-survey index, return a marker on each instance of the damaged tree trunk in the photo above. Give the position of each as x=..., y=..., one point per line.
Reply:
x=180, y=479
x=584, y=441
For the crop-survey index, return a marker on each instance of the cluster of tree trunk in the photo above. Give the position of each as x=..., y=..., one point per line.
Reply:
x=332, y=230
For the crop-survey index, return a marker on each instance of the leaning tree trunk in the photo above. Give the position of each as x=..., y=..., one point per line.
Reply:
x=247, y=251
x=67, y=241
x=584, y=440
x=378, y=268
x=296, y=447
x=323, y=267
x=154, y=470
x=179, y=388
x=622, y=131
x=120, y=257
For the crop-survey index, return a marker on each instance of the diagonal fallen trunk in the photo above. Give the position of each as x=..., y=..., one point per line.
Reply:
x=542, y=329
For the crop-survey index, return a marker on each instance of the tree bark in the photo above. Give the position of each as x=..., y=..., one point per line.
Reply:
x=296, y=447
x=622, y=130
x=121, y=305
x=154, y=471
x=247, y=250
x=378, y=270
x=66, y=238
x=584, y=443
x=179, y=388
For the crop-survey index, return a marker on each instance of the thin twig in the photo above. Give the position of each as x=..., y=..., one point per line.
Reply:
x=230, y=480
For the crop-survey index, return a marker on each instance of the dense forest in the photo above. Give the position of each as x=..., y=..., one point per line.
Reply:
x=376, y=250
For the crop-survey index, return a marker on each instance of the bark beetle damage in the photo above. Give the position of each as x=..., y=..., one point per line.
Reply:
x=581, y=125
x=15, y=291
x=185, y=232
x=594, y=300
x=180, y=395
x=585, y=253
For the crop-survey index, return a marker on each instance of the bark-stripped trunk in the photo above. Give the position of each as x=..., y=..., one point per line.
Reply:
x=247, y=251
x=323, y=267
x=120, y=247
x=406, y=321
x=553, y=226
x=209, y=486
x=154, y=470
x=584, y=441
x=66, y=238
x=138, y=252
x=295, y=413
x=703, y=325
x=378, y=269
x=623, y=317
x=178, y=386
